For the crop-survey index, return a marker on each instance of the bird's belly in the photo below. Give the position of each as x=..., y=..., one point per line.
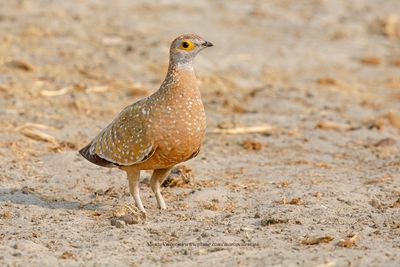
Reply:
x=180, y=143
x=170, y=152
x=177, y=140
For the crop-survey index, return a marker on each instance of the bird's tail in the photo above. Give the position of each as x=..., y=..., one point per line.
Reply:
x=94, y=158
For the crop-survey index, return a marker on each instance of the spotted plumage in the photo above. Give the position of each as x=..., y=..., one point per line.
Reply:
x=158, y=131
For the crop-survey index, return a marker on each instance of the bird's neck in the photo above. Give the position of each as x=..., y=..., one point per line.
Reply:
x=181, y=65
x=181, y=61
x=180, y=74
x=180, y=80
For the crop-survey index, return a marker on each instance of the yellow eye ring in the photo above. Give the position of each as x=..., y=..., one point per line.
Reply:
x=186, y=45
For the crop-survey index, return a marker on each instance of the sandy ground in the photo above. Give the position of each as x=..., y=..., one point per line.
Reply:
x=320, y=188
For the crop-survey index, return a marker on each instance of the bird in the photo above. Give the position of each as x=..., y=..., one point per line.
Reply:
x=159, y=131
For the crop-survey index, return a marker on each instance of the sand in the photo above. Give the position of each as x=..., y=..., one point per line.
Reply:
x=319, y=187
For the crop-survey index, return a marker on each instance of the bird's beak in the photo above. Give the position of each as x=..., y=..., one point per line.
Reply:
x=207, y=44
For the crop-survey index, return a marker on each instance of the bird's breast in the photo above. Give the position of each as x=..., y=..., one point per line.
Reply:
x=179, y=124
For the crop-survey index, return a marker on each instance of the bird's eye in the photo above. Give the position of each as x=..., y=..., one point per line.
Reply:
x=186, y=45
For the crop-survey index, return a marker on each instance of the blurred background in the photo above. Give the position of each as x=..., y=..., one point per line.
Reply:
x=322, y=77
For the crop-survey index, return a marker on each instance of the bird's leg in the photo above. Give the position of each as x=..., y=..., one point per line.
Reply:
x=156, y=180
x=133, y=179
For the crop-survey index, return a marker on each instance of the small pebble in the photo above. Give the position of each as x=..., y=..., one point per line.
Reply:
x=386, y=142
x=129, y=219
x=117, y=223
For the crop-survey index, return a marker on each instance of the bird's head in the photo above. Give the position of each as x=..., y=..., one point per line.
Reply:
x=185, y=47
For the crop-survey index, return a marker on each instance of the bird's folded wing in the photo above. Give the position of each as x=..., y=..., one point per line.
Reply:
x=124, y=142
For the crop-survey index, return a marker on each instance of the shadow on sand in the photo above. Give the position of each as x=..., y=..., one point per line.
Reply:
x=29, y=196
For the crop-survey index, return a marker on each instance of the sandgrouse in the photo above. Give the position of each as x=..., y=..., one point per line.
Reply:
x=159, y=131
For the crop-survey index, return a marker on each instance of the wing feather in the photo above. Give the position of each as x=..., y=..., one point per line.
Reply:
x=124, y=141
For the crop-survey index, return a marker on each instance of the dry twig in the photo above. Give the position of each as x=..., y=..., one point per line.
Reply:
x=348, y=243
x=264, y=129
x=32, y=131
